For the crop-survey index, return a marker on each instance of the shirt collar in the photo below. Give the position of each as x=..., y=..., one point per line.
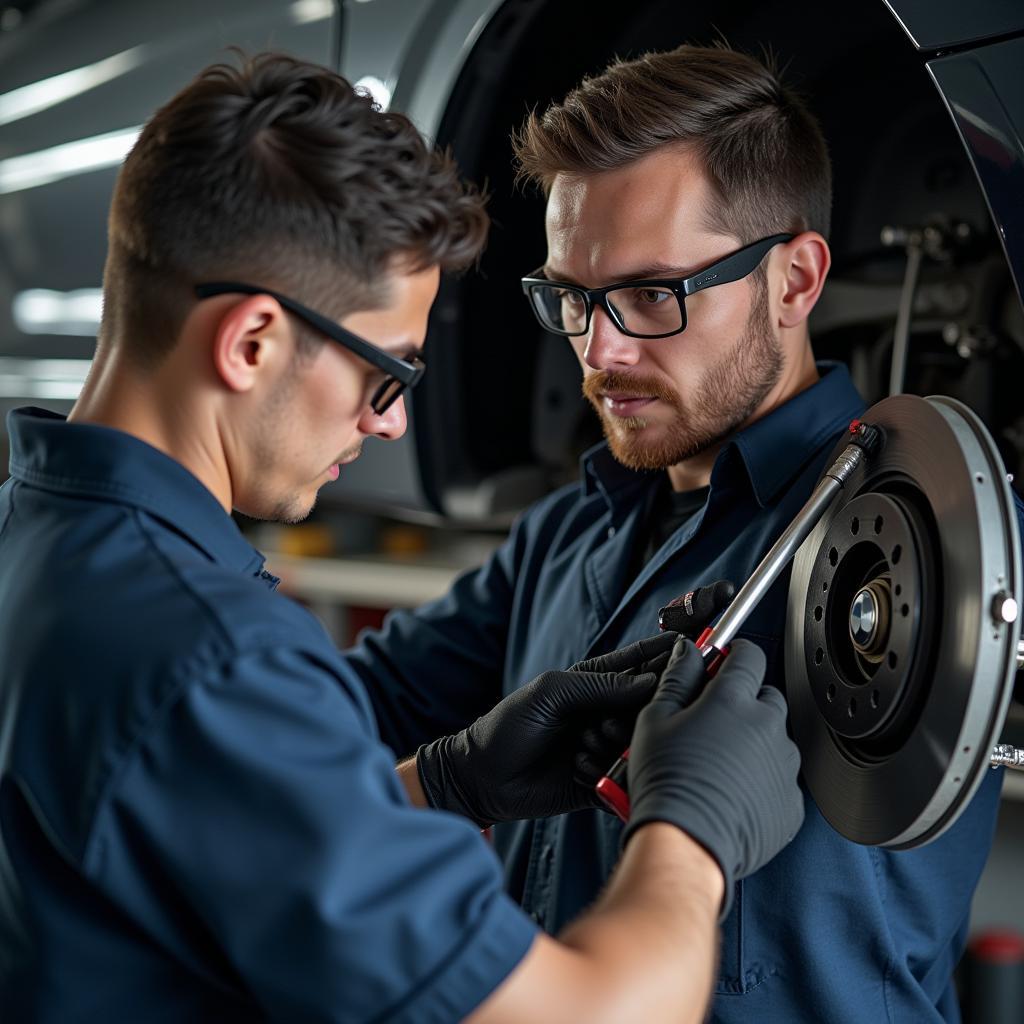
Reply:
x=603, y=474
x=777, y=446
x=770, y=452
x=99, y=462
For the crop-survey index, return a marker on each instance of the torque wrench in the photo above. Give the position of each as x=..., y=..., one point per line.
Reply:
x=713, y=643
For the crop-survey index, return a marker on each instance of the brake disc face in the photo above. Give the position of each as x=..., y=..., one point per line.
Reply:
x=898, y=670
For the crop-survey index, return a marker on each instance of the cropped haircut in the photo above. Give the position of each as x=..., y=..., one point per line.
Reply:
x=276, y=173
x=760, y=147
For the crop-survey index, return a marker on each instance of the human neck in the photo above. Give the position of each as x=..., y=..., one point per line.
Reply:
x=154, y=407
x=694, y=472
x=799, y=375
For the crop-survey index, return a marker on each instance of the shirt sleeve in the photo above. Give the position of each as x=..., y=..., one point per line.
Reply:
x=259, y=824
x=433, y=670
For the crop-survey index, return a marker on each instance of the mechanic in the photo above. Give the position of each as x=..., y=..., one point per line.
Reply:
x=688, y=203
x=198, y=819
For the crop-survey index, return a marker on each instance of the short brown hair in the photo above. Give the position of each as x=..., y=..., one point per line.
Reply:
x=761, y=148
x=280, y=174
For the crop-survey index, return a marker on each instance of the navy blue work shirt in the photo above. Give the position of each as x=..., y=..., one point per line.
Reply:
x=829, y=930
x=198, y=820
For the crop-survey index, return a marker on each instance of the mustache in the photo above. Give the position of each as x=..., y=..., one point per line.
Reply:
x=603, y=381
x=356, y=449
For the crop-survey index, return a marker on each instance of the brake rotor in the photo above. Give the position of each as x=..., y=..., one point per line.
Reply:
x=899, y=661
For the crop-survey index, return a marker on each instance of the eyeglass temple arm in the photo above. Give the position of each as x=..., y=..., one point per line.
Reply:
x=402, y=369
x=733, y=267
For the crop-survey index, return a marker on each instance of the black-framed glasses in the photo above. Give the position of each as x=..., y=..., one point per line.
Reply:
x=402, y=374
x=649, y=308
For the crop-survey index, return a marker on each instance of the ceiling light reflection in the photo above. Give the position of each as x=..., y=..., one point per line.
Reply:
x=47, y=165
x=48, y=92
x=42, y=311
x=42, y=378
x=379, y=91
x=305, y=11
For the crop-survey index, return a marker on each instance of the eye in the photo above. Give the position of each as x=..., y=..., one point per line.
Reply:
x=651, y=296
x=568, y=298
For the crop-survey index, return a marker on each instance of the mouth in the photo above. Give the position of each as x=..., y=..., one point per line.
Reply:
x=343, y=460
x=625, y=405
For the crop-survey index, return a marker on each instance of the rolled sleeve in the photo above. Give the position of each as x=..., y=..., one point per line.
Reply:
x=258, y=812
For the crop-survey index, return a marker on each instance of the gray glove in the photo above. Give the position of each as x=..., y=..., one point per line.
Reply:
x=720, y=768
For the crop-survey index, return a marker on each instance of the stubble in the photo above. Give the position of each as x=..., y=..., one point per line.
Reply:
x=729, y=393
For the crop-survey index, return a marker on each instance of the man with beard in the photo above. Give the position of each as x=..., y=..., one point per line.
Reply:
x=688, y=201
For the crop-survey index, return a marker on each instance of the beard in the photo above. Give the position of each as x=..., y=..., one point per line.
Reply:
x=727, y=395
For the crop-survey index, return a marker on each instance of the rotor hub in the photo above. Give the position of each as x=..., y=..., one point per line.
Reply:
x=864, y=615
x=869, y=619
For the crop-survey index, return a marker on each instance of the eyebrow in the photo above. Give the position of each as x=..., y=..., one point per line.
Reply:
x=406, y=351
x=652, y=270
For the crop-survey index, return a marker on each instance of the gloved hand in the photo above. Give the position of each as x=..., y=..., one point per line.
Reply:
x=602, y=742
x=519, y=760
x=722, y=769
x=688, y=615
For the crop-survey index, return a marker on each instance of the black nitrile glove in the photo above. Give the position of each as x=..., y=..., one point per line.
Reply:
x=722, y=769
x=648, y=655
x=688, y=615
x=603, y=741
x=519, y=760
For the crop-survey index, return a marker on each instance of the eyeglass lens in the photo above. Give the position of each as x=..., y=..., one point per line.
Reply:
x=641, y=310
x=386, y=394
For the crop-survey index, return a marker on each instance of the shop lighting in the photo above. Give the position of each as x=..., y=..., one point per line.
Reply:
x=65, y=161
x=42, y=311
x=52, y=379
x=49, y=92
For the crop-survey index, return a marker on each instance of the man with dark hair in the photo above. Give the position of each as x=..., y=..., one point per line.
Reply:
x=197, y=819
x=688, y=199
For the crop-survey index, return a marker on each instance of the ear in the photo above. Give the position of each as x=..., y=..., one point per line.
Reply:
x=800, y=266
x=252, y=339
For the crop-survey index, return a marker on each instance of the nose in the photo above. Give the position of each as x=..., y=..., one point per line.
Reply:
x=389, y=425
x=607, y=348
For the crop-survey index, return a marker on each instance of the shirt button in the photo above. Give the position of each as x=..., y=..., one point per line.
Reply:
x=611, y=532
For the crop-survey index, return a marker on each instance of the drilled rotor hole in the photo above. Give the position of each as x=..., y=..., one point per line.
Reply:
x=851, y=709
x=874, y=699
x=855, y=526
x=824, y=587
x=905, y=610
x=957, y=779
x=818, y=613
x=898, y=590
x=896, y=552
x=879, y=523
x=967, y=750
x=980, y=477
x=833, y=557
x=819, y=656
x=830, y=693
x=892, y=659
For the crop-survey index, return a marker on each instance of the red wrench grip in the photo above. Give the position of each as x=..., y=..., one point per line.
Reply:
x=612, y=787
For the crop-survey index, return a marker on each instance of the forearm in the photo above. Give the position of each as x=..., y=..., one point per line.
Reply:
x=433, y=670
x=646, y=951
x=410, y=779
x=653, y=936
